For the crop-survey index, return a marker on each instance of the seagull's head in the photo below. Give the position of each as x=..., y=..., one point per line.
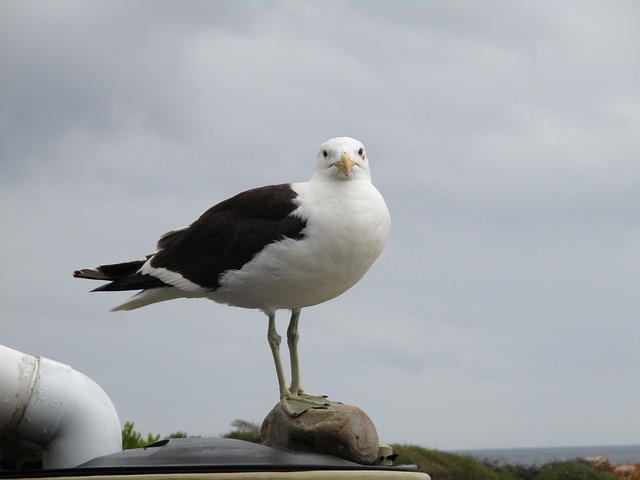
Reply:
x=342, y=158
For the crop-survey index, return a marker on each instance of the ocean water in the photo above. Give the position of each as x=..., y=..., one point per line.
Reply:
x=540, y=456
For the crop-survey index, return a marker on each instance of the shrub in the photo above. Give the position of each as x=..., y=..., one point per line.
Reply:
x=572, y=470
x=447, y=466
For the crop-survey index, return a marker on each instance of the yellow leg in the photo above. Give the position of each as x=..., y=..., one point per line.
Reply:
x=293, y=400
x=292, y=342
x=274, y=342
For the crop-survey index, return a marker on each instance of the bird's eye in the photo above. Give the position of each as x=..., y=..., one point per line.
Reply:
x=361, y=152
x=325, y=154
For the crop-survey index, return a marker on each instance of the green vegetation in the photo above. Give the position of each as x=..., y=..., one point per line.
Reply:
x=573, y=470
x=244, y=431
x=449, y=466
x=133, y=439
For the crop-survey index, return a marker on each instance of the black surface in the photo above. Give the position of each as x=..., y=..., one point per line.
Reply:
x=211, y=451
x=200, y=455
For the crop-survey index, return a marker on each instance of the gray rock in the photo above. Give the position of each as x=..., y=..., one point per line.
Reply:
x=340, y=430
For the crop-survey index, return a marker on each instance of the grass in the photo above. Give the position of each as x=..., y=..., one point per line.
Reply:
x=449, y=466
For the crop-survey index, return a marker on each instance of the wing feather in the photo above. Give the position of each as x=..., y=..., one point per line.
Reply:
x=225, y=237
x=229, y=234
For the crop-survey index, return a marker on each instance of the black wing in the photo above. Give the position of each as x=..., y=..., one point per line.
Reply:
x=225, y=237
x=228, y=235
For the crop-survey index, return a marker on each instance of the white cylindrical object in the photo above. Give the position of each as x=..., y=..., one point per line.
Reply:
x=51, y=404
x=17, y=377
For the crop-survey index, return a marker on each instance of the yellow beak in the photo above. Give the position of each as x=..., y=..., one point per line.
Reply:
x=345, y=165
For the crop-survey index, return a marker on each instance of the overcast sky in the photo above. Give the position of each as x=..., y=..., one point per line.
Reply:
x=504, y=136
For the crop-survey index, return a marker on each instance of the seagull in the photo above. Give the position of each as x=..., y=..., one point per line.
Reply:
x=277, y=247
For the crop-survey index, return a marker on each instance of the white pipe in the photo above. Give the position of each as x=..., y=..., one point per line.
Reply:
x=53, y=405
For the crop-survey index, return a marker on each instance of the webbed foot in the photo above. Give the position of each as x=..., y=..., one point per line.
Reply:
x=296, y=404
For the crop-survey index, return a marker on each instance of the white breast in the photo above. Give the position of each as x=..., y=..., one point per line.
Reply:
x=347, y=228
